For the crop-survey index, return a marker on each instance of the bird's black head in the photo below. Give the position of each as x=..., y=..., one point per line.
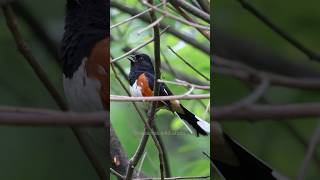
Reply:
x=87, y=14
x=86, y=23
x=141, y=62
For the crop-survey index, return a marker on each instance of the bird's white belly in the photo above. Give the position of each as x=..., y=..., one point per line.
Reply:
x=82, y=92
x=136, y=90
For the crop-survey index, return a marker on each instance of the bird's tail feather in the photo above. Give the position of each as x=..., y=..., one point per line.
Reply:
x=198, y=125
x=247, y=167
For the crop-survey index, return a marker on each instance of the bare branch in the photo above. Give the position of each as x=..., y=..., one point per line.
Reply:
x=116, y=173
x=188, y=64
x=24, y=50
x=159, y=98
x=194, y=10
x=299, y=137
x=315, y=140
x=205, y=33
x=184, y=83
x=41, y=117
x=250, y=99
x=134, y=17
x=246, y=73
x=265, y=112
x=150, y=25
x=311, y=54
x=205, y=5
x=167, y=14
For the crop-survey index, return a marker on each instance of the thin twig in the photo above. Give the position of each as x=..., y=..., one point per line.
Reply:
x=167, y=14
x=211, y=161
x=176, y=5
x=169, y=67
x=136, y=157
x=142, y=161
x=250, y=99
x=159, y=98
x=268, y=112
x=205, y=5
x=311, y=54
x=194, y=10
x=150, y=25
x=315, y=140
x=299, y=137
x=246, y=73
x=188, y=64
x=184, y=83
x=136, y=48
x=41, y=117
x=24, y=50
x=134, y=17
x=116, y=173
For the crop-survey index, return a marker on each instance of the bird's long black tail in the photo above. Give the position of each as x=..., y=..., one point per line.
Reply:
x=199, y=125
x=245, y=167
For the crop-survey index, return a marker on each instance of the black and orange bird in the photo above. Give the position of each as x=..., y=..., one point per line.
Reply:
x=85, y=53
x=234, y=162
x=85, y=49
x=141, y=79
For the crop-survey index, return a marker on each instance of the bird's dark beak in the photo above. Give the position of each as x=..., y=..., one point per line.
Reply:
x=131, y=58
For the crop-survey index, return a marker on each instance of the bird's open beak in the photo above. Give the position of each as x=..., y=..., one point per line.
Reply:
x=131, y=58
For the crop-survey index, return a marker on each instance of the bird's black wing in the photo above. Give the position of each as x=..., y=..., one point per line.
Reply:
x=163, y=91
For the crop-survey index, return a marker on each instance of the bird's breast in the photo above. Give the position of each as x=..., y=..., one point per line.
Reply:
x=82, y=91
x=141, y=86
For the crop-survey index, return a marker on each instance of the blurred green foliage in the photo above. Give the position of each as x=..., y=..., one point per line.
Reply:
x=271, y=140
x=184, y=152
x=34, y=153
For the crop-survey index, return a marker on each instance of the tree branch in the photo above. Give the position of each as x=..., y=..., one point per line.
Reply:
x=194, y=10
x=14, y=116
x=159, y=98
x=264, y=112
x=311, y=54
x=311, y=150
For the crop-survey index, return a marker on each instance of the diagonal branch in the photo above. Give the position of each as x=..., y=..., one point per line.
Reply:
x=194, y=10
x=167, y=14
x=188, y=64
x=265, y=112
x=24, y=50
x=315, y=140
x=311, y=54
x=176, y=5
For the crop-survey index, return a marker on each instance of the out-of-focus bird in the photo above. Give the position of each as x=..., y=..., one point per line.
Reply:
x=234, y=162
x=85, y=52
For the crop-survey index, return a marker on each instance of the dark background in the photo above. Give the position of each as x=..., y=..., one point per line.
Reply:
x=270, y=140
